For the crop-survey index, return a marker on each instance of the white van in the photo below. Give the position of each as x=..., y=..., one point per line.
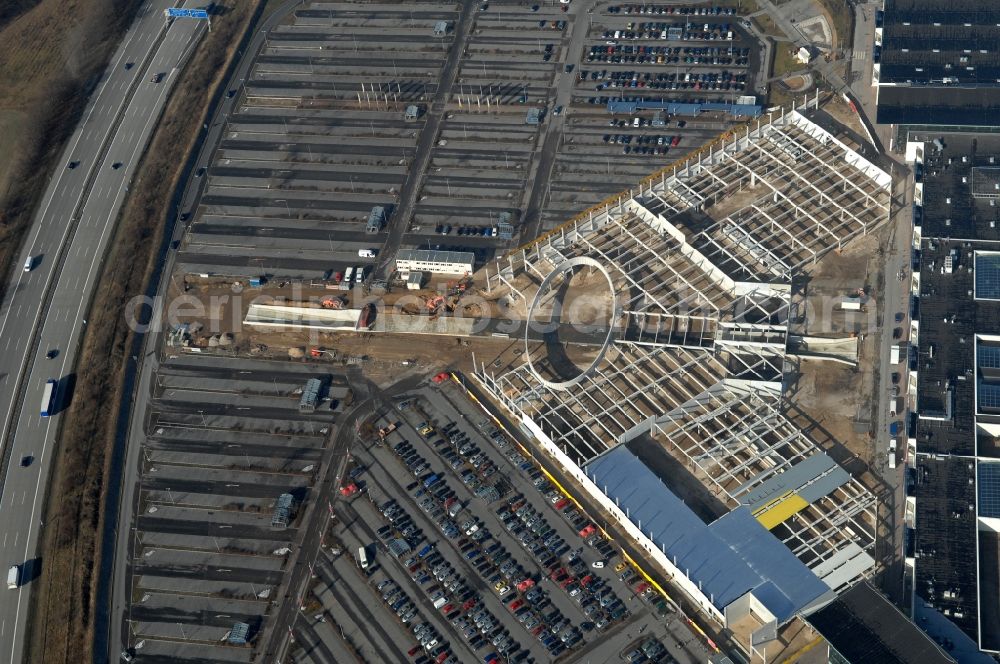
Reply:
x=14, y=576
x=366, y=253
x=362, y=558
x=29, y=263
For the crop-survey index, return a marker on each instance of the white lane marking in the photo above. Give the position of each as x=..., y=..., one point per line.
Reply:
x=38, y=483
x=48, y=421
x=38, y=227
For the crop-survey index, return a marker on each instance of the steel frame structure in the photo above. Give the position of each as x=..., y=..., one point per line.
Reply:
x=701, y=320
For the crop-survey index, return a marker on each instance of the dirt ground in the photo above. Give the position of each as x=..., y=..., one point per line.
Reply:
x=829, y=399
x=840, y=111
x=220, y=309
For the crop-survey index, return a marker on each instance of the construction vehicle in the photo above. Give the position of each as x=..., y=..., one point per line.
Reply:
x=333, y=302
x=434, y=303
x=458, y=288
x=367, y=317
x=385, y=431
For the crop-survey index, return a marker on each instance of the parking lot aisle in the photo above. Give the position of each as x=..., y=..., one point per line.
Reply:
x=362, y=513
x=560, y=599
x=418, y=167
x=349, y=589
x=679, y=631
x=449, y=400
x=313, y=524
x=316, y=648
x=555, y=125
x=387, y=473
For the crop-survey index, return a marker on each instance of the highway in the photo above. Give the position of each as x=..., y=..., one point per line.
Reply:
x=44, y=309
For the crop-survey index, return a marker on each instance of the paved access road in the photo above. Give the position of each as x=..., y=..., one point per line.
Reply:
x=44, y=309
x=116, y=636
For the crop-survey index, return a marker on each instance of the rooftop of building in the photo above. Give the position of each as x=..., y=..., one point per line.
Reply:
x=945, y=547
x=435, y=256
x=945, y=353
x=733, y=555
x=932, y=43
x=864, y=627
x=938, y=104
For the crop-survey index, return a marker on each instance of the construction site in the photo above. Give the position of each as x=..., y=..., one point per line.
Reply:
x=659, y=331
x=700, y=262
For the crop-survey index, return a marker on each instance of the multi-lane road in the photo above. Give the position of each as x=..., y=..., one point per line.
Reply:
x=43, y=311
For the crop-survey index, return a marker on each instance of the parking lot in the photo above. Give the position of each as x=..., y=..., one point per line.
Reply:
x=472, y=127
x=321, y=136
x=225, y=441
x=469, y=552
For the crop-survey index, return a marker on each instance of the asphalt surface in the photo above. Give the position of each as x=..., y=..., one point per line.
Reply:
x=399, y=219
x=572, y=53
x=121, y=548
x=43, y=309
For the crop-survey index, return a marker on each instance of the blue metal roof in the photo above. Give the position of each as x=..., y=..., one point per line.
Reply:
x=727, y=559
x=675, y=108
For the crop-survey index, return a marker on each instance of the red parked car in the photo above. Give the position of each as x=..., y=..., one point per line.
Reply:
x=440, y=378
